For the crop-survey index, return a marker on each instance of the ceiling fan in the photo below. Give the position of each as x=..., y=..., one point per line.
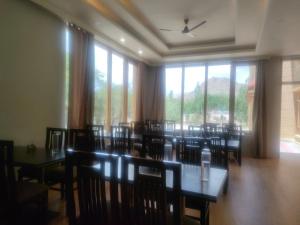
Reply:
x=186, y=30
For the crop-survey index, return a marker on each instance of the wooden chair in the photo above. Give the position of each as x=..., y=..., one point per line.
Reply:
x=169, y=127
x=56, y=140
x=80, y=139
x=210, y=129
x=195, y=130
x=96, y=200
x=147, y=201
x=120, y=140
x=138, y=128
x=232, y=134
x=16, y=196
x=190, y=151
x=97, y=136
x=154, y=146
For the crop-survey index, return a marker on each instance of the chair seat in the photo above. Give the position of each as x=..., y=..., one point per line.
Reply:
x=233, y=144
x=27, y=191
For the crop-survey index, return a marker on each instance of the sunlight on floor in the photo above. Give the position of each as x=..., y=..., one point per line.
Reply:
x=289, y=147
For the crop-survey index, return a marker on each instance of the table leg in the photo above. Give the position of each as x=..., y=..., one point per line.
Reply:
x=204, y=209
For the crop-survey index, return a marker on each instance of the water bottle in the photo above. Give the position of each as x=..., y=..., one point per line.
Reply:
x=205, y=163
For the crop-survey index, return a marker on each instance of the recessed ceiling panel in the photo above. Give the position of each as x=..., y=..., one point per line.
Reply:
x=170, y=14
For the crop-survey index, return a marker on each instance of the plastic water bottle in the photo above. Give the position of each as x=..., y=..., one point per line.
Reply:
x=205, y=163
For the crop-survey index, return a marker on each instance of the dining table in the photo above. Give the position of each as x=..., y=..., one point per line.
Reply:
x=192, y=186
x=37, y=158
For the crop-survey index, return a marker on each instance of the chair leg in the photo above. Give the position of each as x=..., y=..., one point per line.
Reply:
x=62, y=190
x=239, y=154
x=43, y=208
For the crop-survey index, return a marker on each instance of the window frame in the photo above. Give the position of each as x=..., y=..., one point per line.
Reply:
x=206, y=64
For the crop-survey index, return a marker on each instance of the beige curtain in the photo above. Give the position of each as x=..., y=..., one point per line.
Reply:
x=140, y=76
x=267, y=108
x=150, y=92
x=82, y=68
x=259, y=112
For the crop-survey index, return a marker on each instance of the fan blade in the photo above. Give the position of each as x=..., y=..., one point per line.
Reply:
x=200, y=24
x=162, y=29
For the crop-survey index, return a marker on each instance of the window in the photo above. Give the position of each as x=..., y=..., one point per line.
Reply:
x=117, y=89
x=130, y=100
x=244, y=95
x=173, y=95
x=100, y=85
x=194, y=86
x=110, y=94
x=218, y=89
x=290, y=107
x=205, y=94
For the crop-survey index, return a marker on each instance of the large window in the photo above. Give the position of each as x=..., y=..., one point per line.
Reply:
x=131, y=96
x=173, y=94
x=244, y=95
x=218, y=89
x=206, y=94
x=117, y=89
x=100, y=85
x=111, y=95
x=194, y=86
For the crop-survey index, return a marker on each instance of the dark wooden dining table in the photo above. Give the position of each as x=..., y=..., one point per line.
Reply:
x=37, y=158
x=191, y=184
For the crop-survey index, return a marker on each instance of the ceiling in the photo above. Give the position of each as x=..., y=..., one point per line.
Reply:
x=234, y=28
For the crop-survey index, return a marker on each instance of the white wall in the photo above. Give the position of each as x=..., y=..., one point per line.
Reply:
x=31, y=72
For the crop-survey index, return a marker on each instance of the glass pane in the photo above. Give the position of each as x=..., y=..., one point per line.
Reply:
x=290, y=118
x=117, y=89
x=194, y=84
x=244, y=95
x=291, y=70
x=130, y=93
x=218, y=88
x=173, y=95
x=100, y=85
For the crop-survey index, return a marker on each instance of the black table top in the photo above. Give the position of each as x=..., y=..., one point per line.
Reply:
x=38, y=157
x=191, y=184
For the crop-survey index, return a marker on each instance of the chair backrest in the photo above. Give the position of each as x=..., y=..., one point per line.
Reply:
x=120, y=139
x=96, y=200
x=125, y=124
x=219, y=153
x=190, y=151
x=80, y=139
x=56, y=138
x=97, y=136
x=232, y=131
x=169, y=127
x=210, y=129
x=154, y=145
x=7, y=176
x=195, y=130
x=138, y=127
x=147, y=195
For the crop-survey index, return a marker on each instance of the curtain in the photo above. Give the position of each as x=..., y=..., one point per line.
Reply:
x=150, y=92
x=267, y=108
x=81, y=90
x=157, y=109
x=259, y=113
x=139, y=95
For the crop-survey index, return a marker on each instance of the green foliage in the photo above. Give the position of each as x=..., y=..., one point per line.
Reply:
x=241, y=105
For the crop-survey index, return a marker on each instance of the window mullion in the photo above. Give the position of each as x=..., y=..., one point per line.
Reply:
x=232, y=92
